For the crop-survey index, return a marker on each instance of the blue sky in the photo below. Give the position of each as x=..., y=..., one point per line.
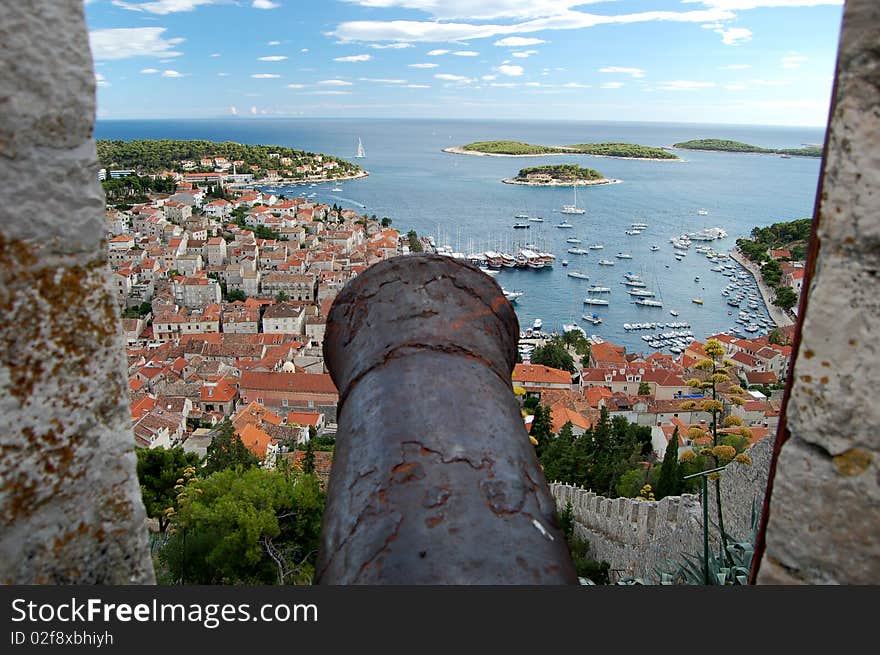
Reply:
x=709, y=61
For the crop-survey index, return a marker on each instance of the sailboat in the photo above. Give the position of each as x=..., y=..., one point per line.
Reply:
x=573, y=209
x=360, y=151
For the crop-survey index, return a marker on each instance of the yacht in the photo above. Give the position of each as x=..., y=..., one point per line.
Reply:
x=565, y=224
x=537, y=324
x=488, y=271
x=655, y=248
x=623, y=255
x=512, y=295
x=649, y=302
x=360, y=150
x=703, y=212
x=336, y=189
x=640, y=293
x=596, y=246
x=633, y=232
x=597, y=289
x=697, y=301
x=639, y=226
x=521, y=226
x=578, y=275
x=536, y=219
x=578, y=251
x=522, y=217
x=673, y=312
x=594, y=319
x=606, y=262
x=595, y=301
x=572, y=240
x=573, y=209
x=565, y=262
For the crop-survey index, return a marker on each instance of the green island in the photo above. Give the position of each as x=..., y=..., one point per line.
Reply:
x=725, y=145
x=520, y=149
x=559, y=175
x=149, y=156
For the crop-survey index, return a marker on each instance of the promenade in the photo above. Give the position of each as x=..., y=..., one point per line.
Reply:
x=779, y=316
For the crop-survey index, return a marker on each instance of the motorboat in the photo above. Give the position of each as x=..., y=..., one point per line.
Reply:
x=598, y=289
x=655, y=248
x=606, y=262
x=594, y=319
x=623, y=255
x=578, y=275
x=649, y=302
x=572, y=240
x=578, y=251
x=538, y=324
x=521, y=226
x=697, y=301
x=512, y=295
x=595, y=301
x=565, y=224
x=673, y=312
x=596, y=246
x=565, y=262
x=536, y=219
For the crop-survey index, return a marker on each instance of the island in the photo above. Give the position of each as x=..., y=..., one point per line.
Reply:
x=725, y=145
x=559, y=175
x=520, y=149
x=234, y=162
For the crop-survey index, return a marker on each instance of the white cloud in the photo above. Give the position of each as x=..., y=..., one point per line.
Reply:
x=334, y=83
x=163, y=7
x=233, y=110
x=274, y=43
x=381, y=80
x=423, y=65
x=634, y=72
x=793, y=61
x=265, y=76
x=533, y=84
x=272, y=58
x=684, y=85
x=730, y=5
x=489, y=77
x=576, y=85
x=427, y=31
x=436, y=53
x=518, y=42
x=265, y=4
x=736, y=67
x=393, y=46
x=524, y=53
x=503, y=85
x=736, y=87
x=354, y=58
x=216, y=54
x=149, y=71
x=125, y=42
x=511, y=71
x=417, y=86
x=296, y=86
x=171, y=73
x=735, y=35
x=466, y=53
x=482, y=10
x=712, y=26
x=611, y=85
x=222, y=74
x=304, y=50
x=448, y=77
x=100, y=80
x=329, y=93
x=254, y=110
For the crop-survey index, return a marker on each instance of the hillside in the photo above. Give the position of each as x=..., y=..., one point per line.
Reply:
x=518, y=148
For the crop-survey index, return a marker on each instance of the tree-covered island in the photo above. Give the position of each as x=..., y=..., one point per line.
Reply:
x=520, y=149
x=559, y=175
x=725, y=145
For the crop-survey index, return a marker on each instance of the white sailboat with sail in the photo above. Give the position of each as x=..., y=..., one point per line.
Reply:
x=360, y=151
x=573, y=209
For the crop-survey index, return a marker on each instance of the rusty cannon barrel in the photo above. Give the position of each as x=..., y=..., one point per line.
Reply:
x=434, y=478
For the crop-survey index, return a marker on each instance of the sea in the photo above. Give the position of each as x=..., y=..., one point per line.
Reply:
x=460, y=201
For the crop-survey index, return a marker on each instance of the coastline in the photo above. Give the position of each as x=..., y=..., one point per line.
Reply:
x=310, y=180
x=779, y=316
x=513, y=180
x=742, y=152
x=458, y=150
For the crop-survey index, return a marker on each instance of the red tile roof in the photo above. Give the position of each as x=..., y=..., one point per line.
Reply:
x=539, y=374
x=291, y=382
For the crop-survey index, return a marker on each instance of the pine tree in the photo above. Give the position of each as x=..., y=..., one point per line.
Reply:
x=308, y=465
x=669, y=483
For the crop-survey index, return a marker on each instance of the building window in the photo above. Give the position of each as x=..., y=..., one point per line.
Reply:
x=260, y=401
x=284, y=402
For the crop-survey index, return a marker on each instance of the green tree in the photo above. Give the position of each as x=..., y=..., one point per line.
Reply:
x=771, y=271
x=542, y=427
x=554, y=354
x=159, y=471
x=282, y=297
x=308, y=465
x=579, y=549
x=245, y=527
x=227, y=451
x=414, y=244
x=644, y=389
x=669, y=483
x=785, y=297
x=236, y=295
x=386, y=222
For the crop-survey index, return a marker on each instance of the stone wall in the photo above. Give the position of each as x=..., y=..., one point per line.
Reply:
x=824, y=512
x=636, y=537
x=70, y=505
